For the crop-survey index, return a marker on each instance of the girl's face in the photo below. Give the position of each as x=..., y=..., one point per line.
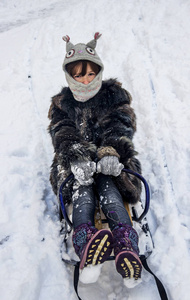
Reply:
x=87, y=78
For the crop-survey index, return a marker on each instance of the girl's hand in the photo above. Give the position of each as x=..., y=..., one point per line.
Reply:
x=83, y=171
x=109, y=165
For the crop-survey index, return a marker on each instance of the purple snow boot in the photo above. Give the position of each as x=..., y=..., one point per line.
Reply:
x=126, y=251
x=93, y=246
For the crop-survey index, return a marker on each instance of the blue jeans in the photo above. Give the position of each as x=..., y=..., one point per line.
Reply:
x=111, y=203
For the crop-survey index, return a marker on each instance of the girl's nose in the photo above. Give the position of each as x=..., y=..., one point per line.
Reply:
x=85, y=80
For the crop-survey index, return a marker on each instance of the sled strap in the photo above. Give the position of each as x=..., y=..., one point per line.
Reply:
x=76, y=278
x=159, y=284
x=143, y=259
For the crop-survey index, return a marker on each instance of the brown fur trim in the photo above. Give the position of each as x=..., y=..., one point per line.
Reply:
x=50, y=111
x=107, y=151
x=119, y=83
x=57, y=100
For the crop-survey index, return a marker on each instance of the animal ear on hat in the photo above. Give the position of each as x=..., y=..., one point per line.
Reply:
x=69, y=45
x=92, y=44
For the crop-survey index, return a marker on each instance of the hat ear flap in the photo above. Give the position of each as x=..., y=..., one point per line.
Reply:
x=92, y=44
x=69, y=45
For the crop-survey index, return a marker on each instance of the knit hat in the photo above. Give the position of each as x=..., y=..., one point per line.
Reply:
x=82, y=92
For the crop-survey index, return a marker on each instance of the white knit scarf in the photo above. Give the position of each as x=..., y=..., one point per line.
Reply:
x=84, y=92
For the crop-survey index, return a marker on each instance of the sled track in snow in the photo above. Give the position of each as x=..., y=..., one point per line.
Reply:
x=160, y=140
x=35, y=15
x=148, y=66
x=48, y=195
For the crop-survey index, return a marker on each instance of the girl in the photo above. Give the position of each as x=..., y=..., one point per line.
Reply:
x=92, y=126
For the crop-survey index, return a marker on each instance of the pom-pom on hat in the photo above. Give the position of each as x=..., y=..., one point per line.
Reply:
x=78, y=52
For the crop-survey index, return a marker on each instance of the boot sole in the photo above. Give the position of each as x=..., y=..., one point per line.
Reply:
x=128, y=265
x=98, y=248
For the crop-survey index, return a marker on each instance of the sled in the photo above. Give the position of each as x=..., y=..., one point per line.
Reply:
x=137, y=214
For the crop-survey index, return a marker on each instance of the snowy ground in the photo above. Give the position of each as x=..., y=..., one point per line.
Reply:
x=145, y=44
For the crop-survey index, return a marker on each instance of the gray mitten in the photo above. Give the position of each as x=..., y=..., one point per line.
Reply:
x=83, y=171
x=109, y=165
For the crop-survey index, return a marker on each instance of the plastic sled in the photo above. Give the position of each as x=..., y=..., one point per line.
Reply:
x=137, y=214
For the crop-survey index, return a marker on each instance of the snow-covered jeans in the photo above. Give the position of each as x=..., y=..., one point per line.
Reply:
x=111, y=203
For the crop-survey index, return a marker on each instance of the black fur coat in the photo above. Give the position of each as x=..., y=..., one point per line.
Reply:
x=103, y=125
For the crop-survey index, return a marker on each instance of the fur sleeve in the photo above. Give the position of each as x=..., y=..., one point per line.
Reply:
x=67, y=141
x=119, y=125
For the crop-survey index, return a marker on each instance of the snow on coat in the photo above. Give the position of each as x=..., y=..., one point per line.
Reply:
x=104, y=125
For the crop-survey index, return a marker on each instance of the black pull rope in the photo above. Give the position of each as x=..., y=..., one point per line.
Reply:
x=159, y=284
x=76, y=279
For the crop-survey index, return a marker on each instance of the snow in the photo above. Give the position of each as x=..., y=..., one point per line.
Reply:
x=130, y=283
x=90, y=274
x=145, y=44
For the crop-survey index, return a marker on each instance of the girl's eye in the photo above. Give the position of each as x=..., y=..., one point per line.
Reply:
x=91, y=74
x=70, y=53
x=77, y=76
x=90, y=50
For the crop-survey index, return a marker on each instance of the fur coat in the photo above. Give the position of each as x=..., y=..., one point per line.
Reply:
x=103, y=125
